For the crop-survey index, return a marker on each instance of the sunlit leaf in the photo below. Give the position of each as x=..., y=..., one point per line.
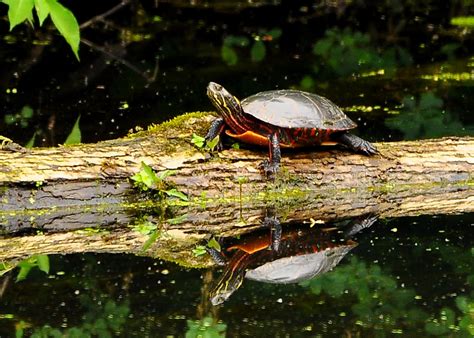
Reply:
x=30, y=144
x=43, y=263
x=19, y=11
x=198, y=141
x=25, y=268
x=146, y=176
x=463, y=21
x=258, y=51
x=211, y=144
x=199, y=250
x=213, y=244
x=175, y=193
x=42, y=9
x=66, y=24
x=75, y=136
x=152, y=239
x=165, y=174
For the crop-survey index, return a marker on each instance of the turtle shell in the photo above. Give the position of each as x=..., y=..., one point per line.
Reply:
x=296, y=109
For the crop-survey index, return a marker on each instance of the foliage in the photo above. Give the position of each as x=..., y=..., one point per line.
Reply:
x=378, y=302
x=463, y=21
x=23, y=117
x=200, y=250
x=376, y=294
x=37, y=261
x=206, y=327
x=425, y=118
x=98, y=322
x=147, y=179
x=74, y=136
x=258, y=50
x=201, y=143
x=22, y=10
x=344, y=52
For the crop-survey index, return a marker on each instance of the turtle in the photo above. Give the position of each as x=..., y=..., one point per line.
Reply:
x=303, y=253
x=284, y=118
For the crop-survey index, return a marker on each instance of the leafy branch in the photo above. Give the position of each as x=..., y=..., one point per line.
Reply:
x=20, y=11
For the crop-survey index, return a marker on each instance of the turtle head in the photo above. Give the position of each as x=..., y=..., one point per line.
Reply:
x=227, y=104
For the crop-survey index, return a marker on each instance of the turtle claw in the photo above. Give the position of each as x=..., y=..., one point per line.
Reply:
x=269, y=168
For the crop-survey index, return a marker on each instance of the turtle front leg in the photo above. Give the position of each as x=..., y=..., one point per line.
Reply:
x=271, y=165
x=216, y=129
x=357, y=144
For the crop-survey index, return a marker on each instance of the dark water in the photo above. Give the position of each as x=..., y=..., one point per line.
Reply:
x=400, y=70
x=407, y=276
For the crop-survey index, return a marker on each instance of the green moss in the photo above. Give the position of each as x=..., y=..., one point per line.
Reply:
x=174, y=125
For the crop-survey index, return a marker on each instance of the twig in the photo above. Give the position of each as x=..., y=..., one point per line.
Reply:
x=102, y=16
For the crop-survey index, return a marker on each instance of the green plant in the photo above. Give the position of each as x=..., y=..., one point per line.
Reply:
x=37, y=261
x=22, y=10
x=201, y=143
x=206, y=327
x=424, y=117
x=147, y=179
x=345, y=52
x=200, y=250
x=74, y=136
x=258, y=50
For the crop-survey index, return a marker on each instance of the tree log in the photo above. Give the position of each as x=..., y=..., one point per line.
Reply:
x=49, y=189
x=45, y=192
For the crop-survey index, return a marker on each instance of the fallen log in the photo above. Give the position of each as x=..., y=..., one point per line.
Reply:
x=51, y=188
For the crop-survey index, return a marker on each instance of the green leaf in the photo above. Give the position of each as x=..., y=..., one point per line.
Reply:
x=198, y=141
x=43, y=263
x=258, y=51
x=463, y=21
x=75, y=136
x=211, y=144
x=66, y=24
x=19, y=11
x=31, y=142
x=165, y=174
x=152, y=239
x=462, y=303
x=25, y=268
x=175, y=193
x=199, y=250
x=42, y=9
x=229, y=56
x=177, y=220
x=146, y=176
x=27, y=112
x=213, y=244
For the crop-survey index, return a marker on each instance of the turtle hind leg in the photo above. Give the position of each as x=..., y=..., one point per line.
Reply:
x=357, y=144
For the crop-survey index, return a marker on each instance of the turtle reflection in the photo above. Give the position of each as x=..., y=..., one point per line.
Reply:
x=297, y=253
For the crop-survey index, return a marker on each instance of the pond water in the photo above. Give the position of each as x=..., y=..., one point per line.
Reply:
x=402, y=71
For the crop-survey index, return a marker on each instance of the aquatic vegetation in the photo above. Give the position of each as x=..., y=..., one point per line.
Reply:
x=345, y=52
x=206, y=327
x=424, y=117
x=258, y=50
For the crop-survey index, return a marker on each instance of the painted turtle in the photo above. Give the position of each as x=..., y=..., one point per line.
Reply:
x=282, y=118
x=303, y=253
